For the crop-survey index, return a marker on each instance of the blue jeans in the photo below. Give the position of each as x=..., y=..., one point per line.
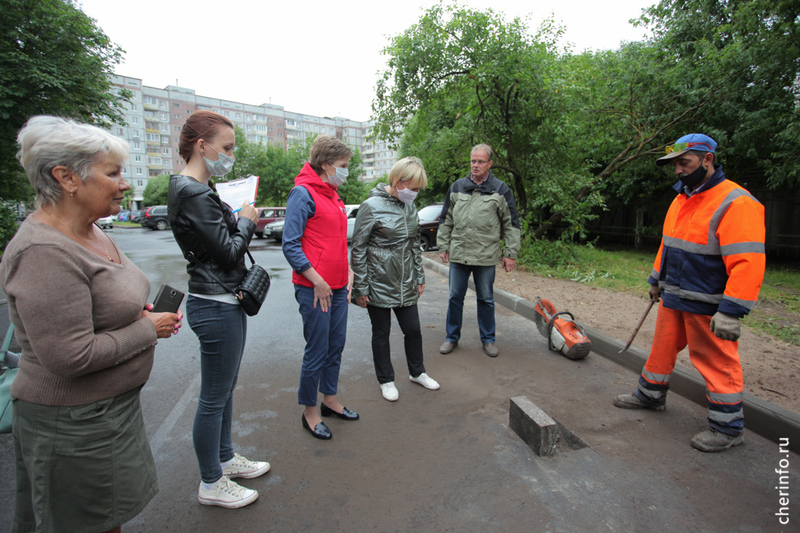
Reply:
x=325, y=335
x=483, y=276
x=222, y=330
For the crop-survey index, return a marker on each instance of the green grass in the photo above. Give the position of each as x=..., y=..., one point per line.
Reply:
x=626, y=270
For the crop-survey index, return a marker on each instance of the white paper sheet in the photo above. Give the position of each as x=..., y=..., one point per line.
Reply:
x=235, y=193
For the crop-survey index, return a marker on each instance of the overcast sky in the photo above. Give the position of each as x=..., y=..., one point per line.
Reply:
x=314, y=57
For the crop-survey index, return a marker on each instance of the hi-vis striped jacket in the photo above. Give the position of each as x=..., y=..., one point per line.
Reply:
x=712, y=250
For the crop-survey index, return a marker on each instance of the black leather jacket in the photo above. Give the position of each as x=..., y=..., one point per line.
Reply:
x=202, y=224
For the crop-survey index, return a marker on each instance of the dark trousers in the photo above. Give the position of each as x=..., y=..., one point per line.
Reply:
x=408, y=318
x=325, y=334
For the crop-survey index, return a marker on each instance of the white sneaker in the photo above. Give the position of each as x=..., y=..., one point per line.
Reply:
x=389, y=391
x=243, y=467
x=426, y=381
x=227, y=493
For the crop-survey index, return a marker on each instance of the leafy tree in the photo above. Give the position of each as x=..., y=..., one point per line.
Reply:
x=747, y=55
x=53, y=60
x=461, y=77
x=155, y=193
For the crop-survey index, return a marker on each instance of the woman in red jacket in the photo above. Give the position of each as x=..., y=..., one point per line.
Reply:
x=315, y=244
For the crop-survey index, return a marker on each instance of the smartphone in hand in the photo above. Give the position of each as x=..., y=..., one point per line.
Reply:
x=168, y=300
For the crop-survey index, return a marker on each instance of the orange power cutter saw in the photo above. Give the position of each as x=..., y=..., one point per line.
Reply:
x=563, y=334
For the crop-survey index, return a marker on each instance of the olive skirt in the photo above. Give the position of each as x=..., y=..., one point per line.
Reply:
x=84, y=468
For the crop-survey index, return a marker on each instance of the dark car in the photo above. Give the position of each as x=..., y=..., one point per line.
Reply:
x=155, y=217
x=429, y=226
x=268, y=215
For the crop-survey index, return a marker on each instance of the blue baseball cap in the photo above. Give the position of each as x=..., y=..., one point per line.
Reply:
x=692, y=142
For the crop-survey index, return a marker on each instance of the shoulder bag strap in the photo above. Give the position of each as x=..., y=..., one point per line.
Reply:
x=199, y=263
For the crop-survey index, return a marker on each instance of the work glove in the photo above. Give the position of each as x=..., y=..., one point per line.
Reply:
x=725, y=326
x=655, y=292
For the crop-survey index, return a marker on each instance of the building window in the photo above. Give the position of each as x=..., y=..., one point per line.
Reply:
x=137, y=158
x=175, y=105
x=149, y=100
x=176, y=116
x=120, y=131
x=165, y=151
x=139, y=171
x=136, y=145
x=162, y=104
x=163, y=116
x=140, y=183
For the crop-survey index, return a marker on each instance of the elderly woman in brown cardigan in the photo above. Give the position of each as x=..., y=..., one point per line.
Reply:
x=82, y=457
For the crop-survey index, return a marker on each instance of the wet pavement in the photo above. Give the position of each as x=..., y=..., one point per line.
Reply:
x=437, y=460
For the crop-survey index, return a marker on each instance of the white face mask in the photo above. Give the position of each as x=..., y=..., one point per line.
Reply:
x=339, y=177
x=221, y=166
x=407, y=196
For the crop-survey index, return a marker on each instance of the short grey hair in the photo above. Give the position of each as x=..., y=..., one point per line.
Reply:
x=482, y=148
x=46, y=142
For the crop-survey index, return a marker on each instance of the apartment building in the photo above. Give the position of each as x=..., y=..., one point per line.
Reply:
x=155, y=117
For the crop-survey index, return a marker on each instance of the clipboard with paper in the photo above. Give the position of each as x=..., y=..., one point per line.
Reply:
x=237, y=192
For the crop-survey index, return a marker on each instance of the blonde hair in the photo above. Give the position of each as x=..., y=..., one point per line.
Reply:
x=46, y=142
x=410, y=171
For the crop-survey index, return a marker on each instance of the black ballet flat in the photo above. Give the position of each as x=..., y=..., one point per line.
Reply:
x=320, y=431
x=346, y=413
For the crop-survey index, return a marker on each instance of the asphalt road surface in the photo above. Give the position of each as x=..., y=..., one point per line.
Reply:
x=443, y=461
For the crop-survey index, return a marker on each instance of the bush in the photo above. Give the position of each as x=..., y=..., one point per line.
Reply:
x=8, y=222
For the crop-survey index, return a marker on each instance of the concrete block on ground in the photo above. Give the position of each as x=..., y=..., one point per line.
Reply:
x=534, y=426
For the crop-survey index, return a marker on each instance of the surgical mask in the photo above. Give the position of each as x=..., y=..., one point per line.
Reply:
x=221, y=166
x=407, y=196
x=693, y=180
x=337, y=179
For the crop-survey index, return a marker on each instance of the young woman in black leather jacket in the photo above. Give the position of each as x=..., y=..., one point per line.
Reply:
x=209, y=233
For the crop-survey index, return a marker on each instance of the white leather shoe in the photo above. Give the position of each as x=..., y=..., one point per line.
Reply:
x=389, y=391
x=426, y=381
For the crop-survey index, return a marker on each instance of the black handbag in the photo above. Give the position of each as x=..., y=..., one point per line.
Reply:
x=252, y=290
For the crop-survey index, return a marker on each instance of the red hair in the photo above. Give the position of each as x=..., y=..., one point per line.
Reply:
x=200, y=125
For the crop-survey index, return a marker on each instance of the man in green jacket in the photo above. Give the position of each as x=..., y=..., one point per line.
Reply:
x=478, y=212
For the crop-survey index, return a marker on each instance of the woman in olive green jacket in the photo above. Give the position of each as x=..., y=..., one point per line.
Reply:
x=387, y=267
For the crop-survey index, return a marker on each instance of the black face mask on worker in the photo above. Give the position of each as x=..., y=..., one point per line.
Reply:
x=693, y=180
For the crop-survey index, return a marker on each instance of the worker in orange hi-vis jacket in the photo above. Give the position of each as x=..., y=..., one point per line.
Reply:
x=707, y=273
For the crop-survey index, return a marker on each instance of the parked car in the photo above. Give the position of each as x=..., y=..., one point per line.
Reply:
x=352, y=211
x=136, y=215
x=429, y=226
x=268, y=215
x=106, y=222
x=274, y=230
x=123, y=216
x=155, y=217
